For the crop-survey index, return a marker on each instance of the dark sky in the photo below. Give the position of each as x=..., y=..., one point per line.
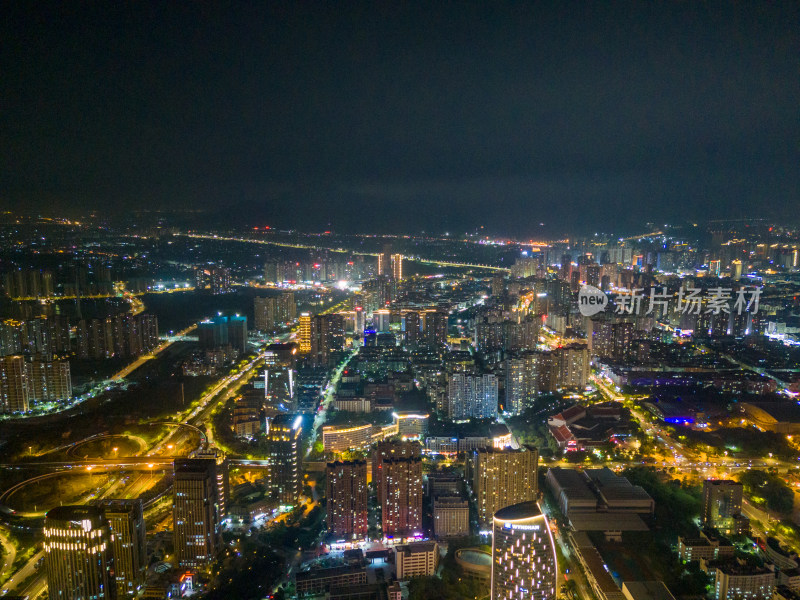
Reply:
x=416, y=116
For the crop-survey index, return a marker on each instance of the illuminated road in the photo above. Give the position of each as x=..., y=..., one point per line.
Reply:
x=125, y=371
x=441, y=263
x=10, y=551
x=327, y=398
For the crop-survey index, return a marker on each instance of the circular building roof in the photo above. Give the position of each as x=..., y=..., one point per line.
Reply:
x=518, y=512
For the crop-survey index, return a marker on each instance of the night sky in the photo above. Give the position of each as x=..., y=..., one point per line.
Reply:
x=407, y=117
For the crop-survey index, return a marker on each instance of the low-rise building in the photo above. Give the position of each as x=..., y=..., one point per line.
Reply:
x=450, y=516
x=320, y=581
x=704, y=547
x=416, y=560
x=735, y=580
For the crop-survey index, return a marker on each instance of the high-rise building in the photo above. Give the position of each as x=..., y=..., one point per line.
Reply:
x=501, y=478
x=14, y=388
x=385, y=261
x=436, y=328
x=524, y=563
x=401, y=488
x=196, y=511
x=472, y=396
x=411, y=332
x=327, y=337
x=283, y=441
x=386, y=450
x=214, y=277
x=397, y=266
x=347, y=498
x=79, y=555
x=237, y=332
x=120, y=336
x=722, y=504
x=305, y=333
x=273, y=311
x=130, y=546
x=521, y=382
x=49, y=381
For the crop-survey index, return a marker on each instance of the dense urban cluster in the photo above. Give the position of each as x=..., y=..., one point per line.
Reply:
x=263, y=413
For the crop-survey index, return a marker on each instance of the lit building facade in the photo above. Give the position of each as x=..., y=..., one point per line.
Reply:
x=126, y=520
x=347, y=498
x=196, y=511
x=79, y=557
x=502, y=478
x=523, y=554
x=305, y=332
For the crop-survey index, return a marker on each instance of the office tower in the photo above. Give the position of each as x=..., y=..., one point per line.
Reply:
x=472, y=396
x=49, y=381
x=387, y=450
x=524, y=561
x=130, y=546
x=397, y=266
x=14, y=388
x=722, y=504
x=327, y=337
x=196, y=511
x=401, y=510
x=347, y=498
x=436, y=328
x=283, y=441
x=305, y=333
x=237, y=333
x=79, y=555
x=411, y=332
x=501, y=478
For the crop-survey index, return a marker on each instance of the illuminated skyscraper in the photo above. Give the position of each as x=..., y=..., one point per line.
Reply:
x=397, y=266
x=347, y=498
x=130, y=547
x=196, y=511
x=283, y=440
x=401, y=489
x=386, y=450
x=501, y=478
x=523, y=554
x=327, y=336
x=79, y=556
x=305, y=332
